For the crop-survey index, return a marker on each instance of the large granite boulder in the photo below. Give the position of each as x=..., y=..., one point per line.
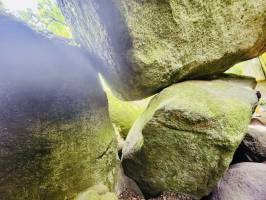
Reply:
x=243, y=181
x=56, y=139
x=185, y=139
x=146, y=45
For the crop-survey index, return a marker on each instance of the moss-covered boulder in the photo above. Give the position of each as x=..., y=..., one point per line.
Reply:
x=146, y=45
x=185, y=139
x=56, y=139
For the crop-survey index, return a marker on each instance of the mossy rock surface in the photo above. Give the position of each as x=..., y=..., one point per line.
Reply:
x=147, y=45
x=56, y=138
x=185, y=139
x=124, y=113
x=97, y=192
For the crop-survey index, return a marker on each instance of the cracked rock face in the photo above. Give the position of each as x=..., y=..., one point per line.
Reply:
x=56, y=139
x=147, y=45
x=185, y=139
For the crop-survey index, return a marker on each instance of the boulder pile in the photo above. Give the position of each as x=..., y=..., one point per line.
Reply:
x=199, y=135
x=185, y=139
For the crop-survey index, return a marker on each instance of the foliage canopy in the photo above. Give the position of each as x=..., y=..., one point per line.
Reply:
x=48, y=17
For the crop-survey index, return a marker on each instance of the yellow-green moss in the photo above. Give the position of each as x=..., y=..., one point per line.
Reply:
x=74, y=156
x=123, y=113
x=97, y=192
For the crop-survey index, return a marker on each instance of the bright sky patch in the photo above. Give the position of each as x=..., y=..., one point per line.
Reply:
x=19, y=5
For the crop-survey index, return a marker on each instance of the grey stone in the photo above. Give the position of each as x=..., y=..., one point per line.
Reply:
x=245, y=181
